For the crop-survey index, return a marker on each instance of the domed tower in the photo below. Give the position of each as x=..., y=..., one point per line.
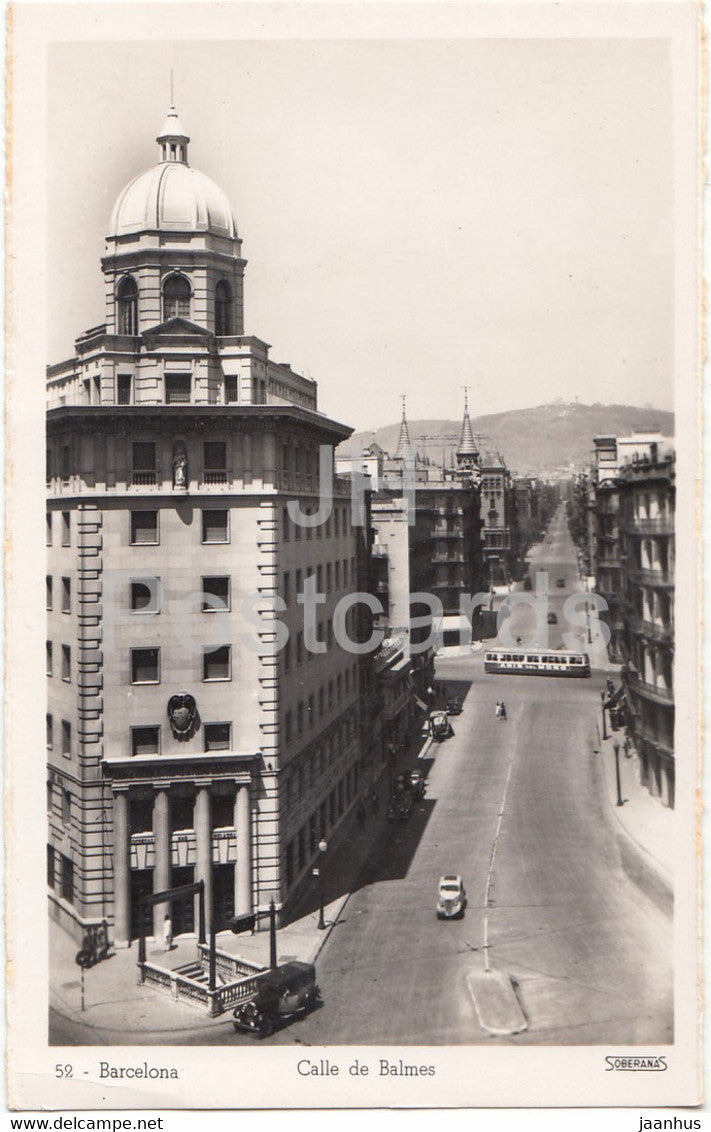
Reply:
x=173, y=249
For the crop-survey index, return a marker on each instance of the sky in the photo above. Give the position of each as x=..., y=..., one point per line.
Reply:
x=417, y=215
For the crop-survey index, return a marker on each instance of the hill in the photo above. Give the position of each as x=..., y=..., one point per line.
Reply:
x=532, y=441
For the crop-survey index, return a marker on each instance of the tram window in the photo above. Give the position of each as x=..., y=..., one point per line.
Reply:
x=531, y=659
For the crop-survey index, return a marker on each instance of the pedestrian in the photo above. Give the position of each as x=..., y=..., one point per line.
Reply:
x=168, y=932
x=498, y=710
x=502, y=710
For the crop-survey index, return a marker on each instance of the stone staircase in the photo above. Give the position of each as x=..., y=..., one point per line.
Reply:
x=199, y=972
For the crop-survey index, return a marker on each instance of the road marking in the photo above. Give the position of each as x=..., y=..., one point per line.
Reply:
x=490, y=873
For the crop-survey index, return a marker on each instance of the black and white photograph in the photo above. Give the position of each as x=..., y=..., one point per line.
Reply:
x=360, y=345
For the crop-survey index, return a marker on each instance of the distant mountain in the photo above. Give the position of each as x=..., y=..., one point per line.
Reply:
x=531, y=441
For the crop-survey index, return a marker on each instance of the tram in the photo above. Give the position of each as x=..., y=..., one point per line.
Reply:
x=537, y=662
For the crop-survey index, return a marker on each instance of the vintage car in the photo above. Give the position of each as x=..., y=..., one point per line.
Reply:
x=287, y=992
x=439, y=726
x=417, y=783
x=454, y=706
x=552, y=618
x=560, y=582
x=451, y=897
x=527, y=584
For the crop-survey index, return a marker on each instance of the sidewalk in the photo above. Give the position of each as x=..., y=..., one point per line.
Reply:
x=647, y=828
x=116, y=1005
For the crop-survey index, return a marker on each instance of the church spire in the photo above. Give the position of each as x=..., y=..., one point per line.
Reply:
x=404, y=447
x=467, y=447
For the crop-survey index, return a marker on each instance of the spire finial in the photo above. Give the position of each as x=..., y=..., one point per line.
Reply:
x=466, y=398
x=172, y=96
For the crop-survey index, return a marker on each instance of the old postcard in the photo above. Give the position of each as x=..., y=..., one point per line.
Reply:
x=360, y=346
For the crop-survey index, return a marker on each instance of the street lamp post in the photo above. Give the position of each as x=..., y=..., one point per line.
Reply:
x=318, y=872
x=604, y=723
x=616, y=747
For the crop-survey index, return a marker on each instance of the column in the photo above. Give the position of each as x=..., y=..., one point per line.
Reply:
x=203, y=847
x=161, y=870
x=243, y=867
x=122, y=869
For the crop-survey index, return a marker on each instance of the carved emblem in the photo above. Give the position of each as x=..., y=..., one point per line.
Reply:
x=182, y=710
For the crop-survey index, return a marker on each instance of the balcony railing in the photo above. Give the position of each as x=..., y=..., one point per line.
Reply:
x=214, y=477
x=662, y=525
x=651, y=577
x=657, y=630
x=143, y=478
x=658, y=693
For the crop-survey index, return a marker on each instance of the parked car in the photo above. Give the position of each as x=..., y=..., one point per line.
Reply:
x=527, y=584
x=560, y=583
x=454, y=706
x=286, y=993
x=440, y=727
x=451, y=897
x=417, y=784
x=552, y=618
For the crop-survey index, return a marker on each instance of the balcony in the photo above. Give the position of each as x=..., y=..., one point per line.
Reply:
x=443, y=532
x=213, y=477
x=645, y=577
x=443, y=559
x=655, y=630
x=144, y=478
x=663, y=525
x=657, y=693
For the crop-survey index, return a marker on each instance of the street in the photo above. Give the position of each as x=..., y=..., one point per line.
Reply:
x=589, y=954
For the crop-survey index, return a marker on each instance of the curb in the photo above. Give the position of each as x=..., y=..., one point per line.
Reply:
x=636, y=861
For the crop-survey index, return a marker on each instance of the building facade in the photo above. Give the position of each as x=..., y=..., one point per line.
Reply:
x=192, y=731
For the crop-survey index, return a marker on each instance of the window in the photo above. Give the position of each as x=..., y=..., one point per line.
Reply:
x=66, y=594
x=216, y=663
x=182, y=813
x=49, y=529
x=299, y=582
x=143, y=462
x=50, y=866
x=223, y=811
x=128, y=306
x=50, y=731
x=66, y=462
x=299, y=647
x=144, y=528
x=328, y=577
x=215, y=594
x=145, y=666
x=319, y=579
x=49, y=591
x=231, y=390
x=140, y=815
x=288, y=726
x=223, y=308
x=214, y=461
x=145, y=595
x=66, y=662
x=285, y=524
x=287, y=655
x=312, y=711
x=123, y=389
x=218, y=737
x=176, y=297
x=177, y=388
x=66, y=739
x=67, y=879
x=286, y=588
x=299, y=718
x=66, y=529
x=215, y=526
x=321, y=701
x=66, y=808
x=338, y=575
x=145, y=740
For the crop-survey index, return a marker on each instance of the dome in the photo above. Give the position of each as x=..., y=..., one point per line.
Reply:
x=172, y=197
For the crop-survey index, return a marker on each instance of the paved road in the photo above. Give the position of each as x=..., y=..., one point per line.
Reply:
x=591, y=956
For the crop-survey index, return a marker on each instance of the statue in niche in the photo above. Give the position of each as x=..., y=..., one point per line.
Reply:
x=180, y=467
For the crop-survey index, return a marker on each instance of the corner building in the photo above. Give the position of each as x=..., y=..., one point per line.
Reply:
x=184, y=743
